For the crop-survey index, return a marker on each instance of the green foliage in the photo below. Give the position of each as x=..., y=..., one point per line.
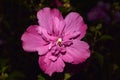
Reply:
x=5, y=74
x=106, y=37
x=16, y=75
x=67, y=76
x=100, y=58
x=40, y=77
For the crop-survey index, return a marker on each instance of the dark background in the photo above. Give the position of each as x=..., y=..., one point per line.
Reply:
x=17, y=15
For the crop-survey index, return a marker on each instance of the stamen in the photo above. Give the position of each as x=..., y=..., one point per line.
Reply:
x=59, y=41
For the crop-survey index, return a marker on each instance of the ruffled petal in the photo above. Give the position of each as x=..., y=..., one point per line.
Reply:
x=43, y=49
x=83, y=29
x=42, y=63
x=74, y=23
x=79, y=51
x=45, y=35
x=32, y=39
x=50, y=66
x=57, y=13
x=46, y=18
x=67, y=58
x=71, y=36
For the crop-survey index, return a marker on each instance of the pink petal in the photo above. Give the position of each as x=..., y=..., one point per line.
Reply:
x=56, y=66
x=61, y=27
x=56, y=23
x=50, y=66
x=41, y=62
x=43, y=49
x=71, y=36
x=46, y=17
x=53, y=58
x=83, y=30
x=31, y=39
x=74, y=23
x=58, y=26
x=45, y=34
x=79, y=51
x=57, y=13
x=67, y=58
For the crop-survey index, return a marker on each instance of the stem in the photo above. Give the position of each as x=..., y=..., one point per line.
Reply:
x=94, y=41
x=3, y=76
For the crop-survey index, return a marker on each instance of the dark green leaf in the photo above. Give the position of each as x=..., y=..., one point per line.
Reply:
x=106, y=37
x=40, y=77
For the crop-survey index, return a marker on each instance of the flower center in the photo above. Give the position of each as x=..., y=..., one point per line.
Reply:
x=59, y=41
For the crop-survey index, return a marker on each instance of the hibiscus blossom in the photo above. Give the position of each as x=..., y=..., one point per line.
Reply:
x=57, y=40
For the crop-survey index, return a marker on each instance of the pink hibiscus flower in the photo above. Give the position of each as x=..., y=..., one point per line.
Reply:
x=57, y=40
